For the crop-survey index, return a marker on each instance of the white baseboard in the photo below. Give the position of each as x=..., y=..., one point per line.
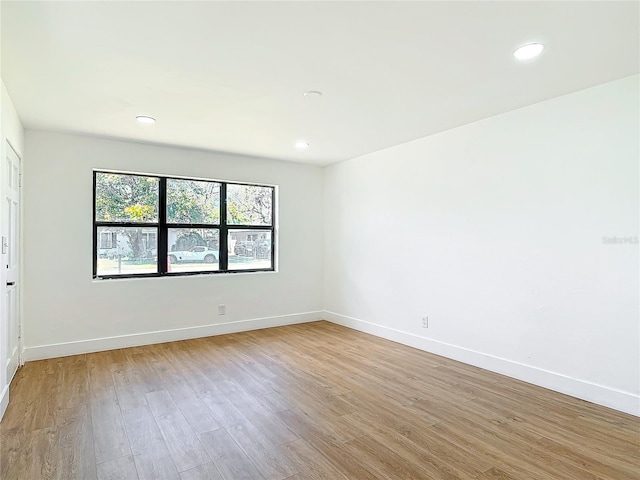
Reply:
x=11, y=369
x=4, y=400
x=591, y=392
x=42, y=352
x=12, y=365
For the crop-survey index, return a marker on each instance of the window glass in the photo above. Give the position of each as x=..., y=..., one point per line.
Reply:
x=249, y=205
x=129, y=251
x=193, y=249
x=126, y=198
x=191, y=201
x=153, y=226
x=107, y=239
x=249, y=249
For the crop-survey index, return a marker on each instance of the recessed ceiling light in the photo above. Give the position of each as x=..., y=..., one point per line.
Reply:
x=145, y=119
x=529, y=51
x=301, y=145
x=313, y=94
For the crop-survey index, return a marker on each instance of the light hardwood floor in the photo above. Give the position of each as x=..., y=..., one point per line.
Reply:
x=312, y=401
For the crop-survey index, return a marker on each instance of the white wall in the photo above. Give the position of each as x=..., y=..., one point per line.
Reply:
x=67, y=312
x=10, y=131
x=11, y=126
x=495, y=231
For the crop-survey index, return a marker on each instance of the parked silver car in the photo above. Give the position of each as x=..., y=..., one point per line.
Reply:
x=197, y=254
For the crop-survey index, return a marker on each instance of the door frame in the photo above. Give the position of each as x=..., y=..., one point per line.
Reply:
x=9, y=148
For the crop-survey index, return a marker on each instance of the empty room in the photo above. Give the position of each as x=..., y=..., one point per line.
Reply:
x=334, y=240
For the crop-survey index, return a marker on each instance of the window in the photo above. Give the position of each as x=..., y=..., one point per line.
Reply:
x=108, y=240
x=159, y=226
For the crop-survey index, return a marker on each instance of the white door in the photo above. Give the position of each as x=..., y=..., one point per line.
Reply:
x=11, y=259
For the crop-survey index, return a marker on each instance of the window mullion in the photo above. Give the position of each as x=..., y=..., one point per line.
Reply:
x=224, y=251
x=163, y=231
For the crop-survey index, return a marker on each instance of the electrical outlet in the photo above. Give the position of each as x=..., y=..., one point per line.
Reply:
x=425, y=322
x=222, y=309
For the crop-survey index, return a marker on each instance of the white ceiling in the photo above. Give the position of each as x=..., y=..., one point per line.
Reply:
x=230, y=76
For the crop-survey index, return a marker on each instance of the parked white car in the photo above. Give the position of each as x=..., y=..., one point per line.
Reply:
x=195, y=255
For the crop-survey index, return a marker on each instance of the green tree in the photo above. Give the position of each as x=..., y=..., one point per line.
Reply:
x=249, y=205
x=119, y=196
x=188, y=240
x=190, y=201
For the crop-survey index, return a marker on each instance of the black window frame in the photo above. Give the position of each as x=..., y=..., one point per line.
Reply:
x=163, y=227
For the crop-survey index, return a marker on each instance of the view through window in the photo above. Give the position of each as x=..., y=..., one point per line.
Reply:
x=152, y=226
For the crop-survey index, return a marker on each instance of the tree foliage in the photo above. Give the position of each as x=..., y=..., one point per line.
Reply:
x=190, y=201
x=140, y=213
x=126, y=198
x=249, y=205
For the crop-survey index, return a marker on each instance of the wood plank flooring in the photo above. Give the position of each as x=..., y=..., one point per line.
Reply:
x=303, y=402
